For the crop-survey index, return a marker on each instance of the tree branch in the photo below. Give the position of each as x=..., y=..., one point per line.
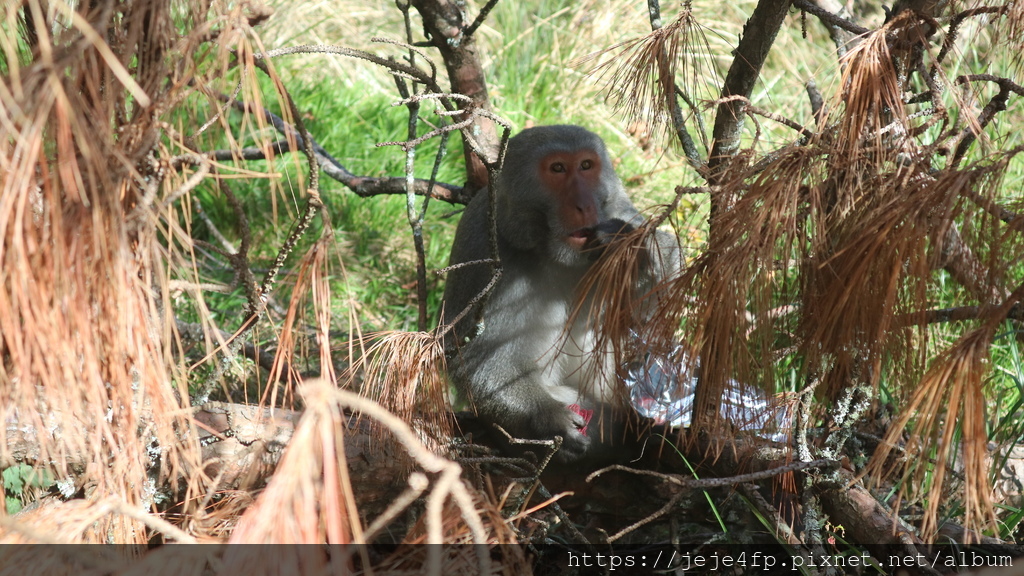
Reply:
x=758, y=36
x=445, y=27
x=996, y=104
x=362, y=186
x=828, y=18
x=940, y=315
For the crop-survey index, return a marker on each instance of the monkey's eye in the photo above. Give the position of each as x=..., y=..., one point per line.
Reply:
x=558, y=167
x=587, y=164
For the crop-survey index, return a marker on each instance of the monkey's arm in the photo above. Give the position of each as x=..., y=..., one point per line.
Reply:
x=520, y=399
x=465, y=283
x=664, y=257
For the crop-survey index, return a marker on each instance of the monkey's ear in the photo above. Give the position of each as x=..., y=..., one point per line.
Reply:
x=520, y=228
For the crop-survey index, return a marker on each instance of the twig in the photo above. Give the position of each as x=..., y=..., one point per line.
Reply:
x=667, y=79
x=830, y=18
x=226, y=248
x=145, y=205
x=701, y=483
x=447, y=269
x=193, y=332
x=362, y=186
x=449, y=483
x=702, y=128
x=804, y=419
x=704, y=483
x=193, y=181
x=300, y=125
x=771, y=512
x=1003, y=82
x=960, y=313
x=665, y=509
x=936, y=90
x=414, y=217
x=239, y=260
x=413, y=50
x=748, y=107
x=477, y=301
x=416, y=73
x=479, y=18
x=412, y=72
x=996, y=104
x=1013, y=219
x=153, y=522
x=846, y=412
x=817, y=103
x=960, y=260
x=954, y=27
x=313, y=204
x=220, y=110
x=443, y=131
x=418, y=483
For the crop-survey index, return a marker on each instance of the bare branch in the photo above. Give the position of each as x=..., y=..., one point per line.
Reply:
x=699, y=483
x=444, y=25
x=817, y=102
x=996, y=104
x=748, y=107
x=362, y=186
x=830, y=19
x=1013, y=219
x=954, y=28
x=942, y=315
x=480, y=17
x=667, y=79
x=758, y=36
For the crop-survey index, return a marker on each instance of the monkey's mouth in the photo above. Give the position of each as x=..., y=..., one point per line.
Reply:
x=579, y=238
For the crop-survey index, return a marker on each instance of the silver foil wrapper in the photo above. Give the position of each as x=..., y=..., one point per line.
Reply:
x=661, y=387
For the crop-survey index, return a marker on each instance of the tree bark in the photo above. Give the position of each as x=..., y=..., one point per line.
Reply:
x=444, y=23
x=758, y=36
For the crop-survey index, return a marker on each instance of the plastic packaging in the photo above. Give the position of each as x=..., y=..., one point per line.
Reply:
x=662, y=389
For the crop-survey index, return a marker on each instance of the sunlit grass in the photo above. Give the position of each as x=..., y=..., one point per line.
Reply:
x=532, y=53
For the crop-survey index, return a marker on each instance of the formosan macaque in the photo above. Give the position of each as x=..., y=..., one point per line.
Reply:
x=559, y=202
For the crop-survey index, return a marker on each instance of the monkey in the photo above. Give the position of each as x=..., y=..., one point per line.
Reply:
x=529, y=364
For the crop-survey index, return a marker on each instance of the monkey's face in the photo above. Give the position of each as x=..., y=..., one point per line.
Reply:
x=572, y=180
x=554, y=193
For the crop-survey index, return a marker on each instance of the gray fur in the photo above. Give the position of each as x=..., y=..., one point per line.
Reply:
x=518, y=370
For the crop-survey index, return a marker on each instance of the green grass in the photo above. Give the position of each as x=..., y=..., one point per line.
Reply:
x=347, y=106
x=531, y=52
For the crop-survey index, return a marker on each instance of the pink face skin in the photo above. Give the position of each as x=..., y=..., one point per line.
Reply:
x=573, y=177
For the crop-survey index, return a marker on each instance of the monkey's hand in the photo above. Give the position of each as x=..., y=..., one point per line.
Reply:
x=555, y=419
x=600, y=236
